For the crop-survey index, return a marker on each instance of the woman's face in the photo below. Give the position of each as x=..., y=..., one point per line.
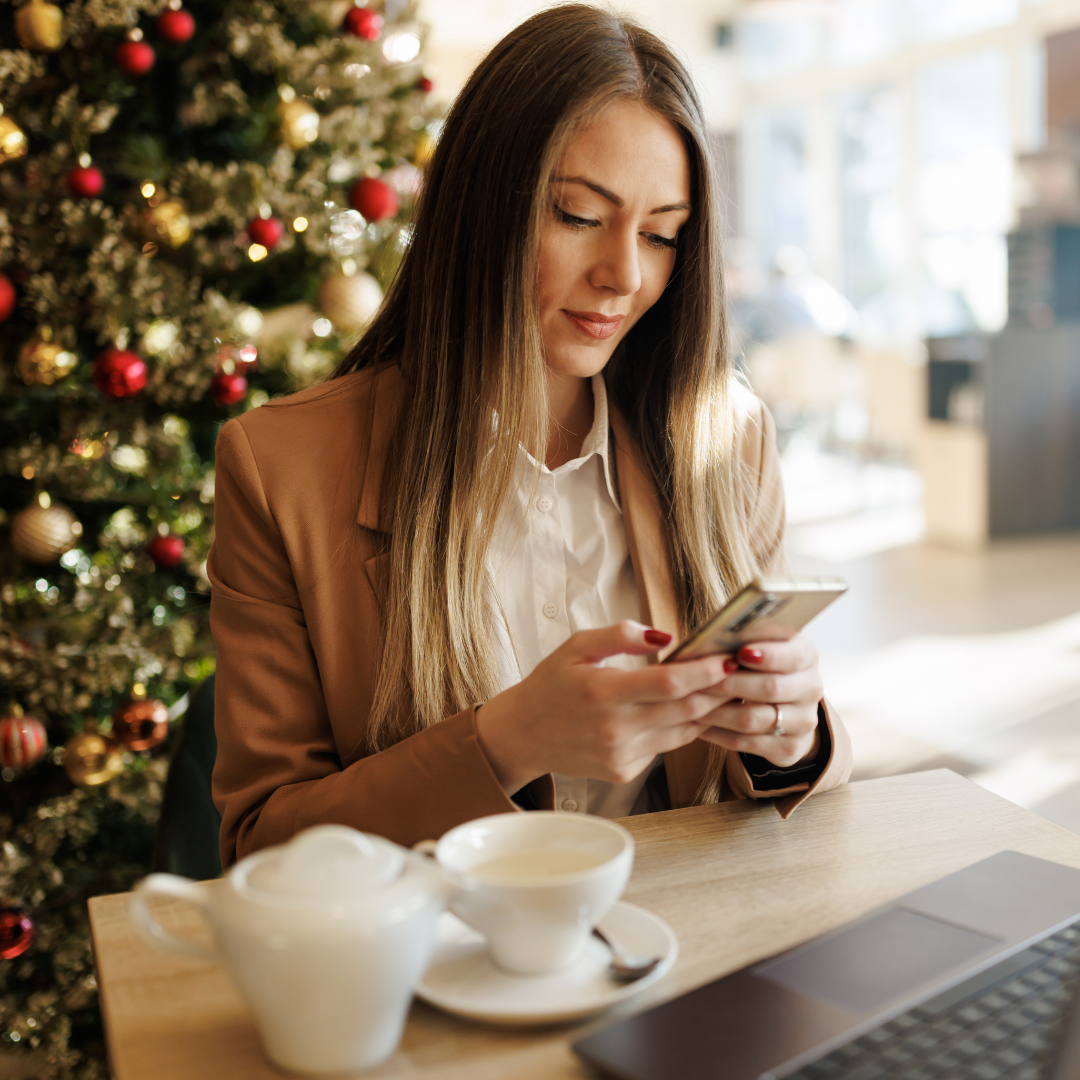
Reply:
x=620, y=195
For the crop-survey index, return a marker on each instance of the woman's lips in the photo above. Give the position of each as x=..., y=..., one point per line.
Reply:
x=593, y=323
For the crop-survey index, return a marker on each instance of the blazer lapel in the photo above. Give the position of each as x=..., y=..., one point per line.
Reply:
x=644, y=524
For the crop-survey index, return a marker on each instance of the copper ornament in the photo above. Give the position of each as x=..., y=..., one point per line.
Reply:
x=141, y=723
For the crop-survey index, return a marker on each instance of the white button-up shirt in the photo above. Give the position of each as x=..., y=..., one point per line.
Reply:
x=560, y=563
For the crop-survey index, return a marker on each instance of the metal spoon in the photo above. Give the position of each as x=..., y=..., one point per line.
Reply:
x=623, y=967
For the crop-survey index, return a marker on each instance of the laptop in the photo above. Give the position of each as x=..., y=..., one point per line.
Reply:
x=921, y=988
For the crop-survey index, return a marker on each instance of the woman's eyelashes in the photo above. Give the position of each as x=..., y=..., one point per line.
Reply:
x=579, y=223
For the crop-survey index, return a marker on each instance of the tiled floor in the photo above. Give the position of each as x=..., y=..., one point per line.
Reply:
x=927, y=651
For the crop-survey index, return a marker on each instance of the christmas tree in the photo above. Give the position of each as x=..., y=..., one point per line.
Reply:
x=198, y=205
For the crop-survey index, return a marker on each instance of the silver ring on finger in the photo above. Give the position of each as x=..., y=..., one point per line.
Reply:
x=778, y=727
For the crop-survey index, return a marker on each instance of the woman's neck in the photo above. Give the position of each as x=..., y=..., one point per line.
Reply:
x=570, y=416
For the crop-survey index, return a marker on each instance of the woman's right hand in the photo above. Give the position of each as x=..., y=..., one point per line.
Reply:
x=575, y=717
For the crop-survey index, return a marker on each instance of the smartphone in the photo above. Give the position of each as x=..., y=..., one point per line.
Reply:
x=768, y=609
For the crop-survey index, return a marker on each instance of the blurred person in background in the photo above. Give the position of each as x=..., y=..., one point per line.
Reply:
x=439, y=577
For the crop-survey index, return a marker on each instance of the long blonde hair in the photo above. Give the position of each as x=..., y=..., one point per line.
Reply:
x=460, y=322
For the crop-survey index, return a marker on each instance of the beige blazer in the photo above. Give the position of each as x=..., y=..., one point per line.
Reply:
x=300, y=522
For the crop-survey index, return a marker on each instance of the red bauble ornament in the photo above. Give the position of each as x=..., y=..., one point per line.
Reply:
x=134, y=58
x=86, y=182
x=16, y=933
x=426, y=85
x=22, y=741
x=141, y=723
x=364, y=23
x=373, y=198
x=7, y=298
x=228, y=389
x=265, y=231
x=119, y=374
x=166, y=551
x=176, y=27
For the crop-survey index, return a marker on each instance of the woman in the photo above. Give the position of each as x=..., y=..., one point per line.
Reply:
x=417, y=622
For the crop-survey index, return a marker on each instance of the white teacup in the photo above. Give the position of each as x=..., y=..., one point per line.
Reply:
x=535, y=884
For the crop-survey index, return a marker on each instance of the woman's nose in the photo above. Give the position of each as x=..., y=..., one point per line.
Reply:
x=617, y=268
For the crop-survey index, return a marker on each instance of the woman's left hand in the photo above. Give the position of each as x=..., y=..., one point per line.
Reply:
x=770, y=680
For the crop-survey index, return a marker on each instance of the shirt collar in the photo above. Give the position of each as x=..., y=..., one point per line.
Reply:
x=598, y=439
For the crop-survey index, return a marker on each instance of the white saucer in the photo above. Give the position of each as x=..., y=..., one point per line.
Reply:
x=462, y=978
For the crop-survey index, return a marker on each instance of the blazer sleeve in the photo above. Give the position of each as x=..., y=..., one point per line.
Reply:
x=763, y=506
x=278, y=767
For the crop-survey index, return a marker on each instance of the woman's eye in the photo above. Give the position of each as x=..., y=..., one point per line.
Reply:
x=669, y=242
x=574, y=222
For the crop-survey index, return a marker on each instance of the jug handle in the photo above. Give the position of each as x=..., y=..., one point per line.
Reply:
x=151, y=931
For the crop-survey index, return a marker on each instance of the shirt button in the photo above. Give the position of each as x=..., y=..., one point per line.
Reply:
x=550, y=609
x=544, y=504
x=569, y=804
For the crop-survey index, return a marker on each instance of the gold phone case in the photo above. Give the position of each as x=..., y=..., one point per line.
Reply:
x=768, y=609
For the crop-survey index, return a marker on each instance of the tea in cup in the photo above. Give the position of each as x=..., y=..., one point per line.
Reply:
x=535, y=884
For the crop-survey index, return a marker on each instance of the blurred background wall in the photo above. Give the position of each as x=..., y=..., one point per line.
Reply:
x=903, y=270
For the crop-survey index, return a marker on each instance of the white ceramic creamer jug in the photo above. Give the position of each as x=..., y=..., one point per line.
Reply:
x=326, y=937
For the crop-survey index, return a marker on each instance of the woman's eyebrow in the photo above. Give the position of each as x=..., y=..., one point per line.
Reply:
x=612, y=197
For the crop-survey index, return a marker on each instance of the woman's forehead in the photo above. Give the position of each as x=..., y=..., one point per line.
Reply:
x=632, y=153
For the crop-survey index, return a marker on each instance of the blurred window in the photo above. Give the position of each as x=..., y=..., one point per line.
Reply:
x=863, y=30
x=964, y=187
x=777, y=187
x=781, y=36
x=942, y=19
x=872, y=235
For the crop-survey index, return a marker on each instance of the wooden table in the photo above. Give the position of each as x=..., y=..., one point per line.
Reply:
x=735, y=881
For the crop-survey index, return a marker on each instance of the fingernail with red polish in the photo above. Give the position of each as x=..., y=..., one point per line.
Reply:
x=657, y=637
x=751, y=656
x=730, y=666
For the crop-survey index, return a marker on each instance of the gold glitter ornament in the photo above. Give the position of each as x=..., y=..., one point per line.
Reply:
x=422, y=151
x=350, y=302
x=43, y=531
x=299, y=123
x=39, y=26
x=12, y=139
x=43, y=362
x=168, y=221
x=92, y=759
